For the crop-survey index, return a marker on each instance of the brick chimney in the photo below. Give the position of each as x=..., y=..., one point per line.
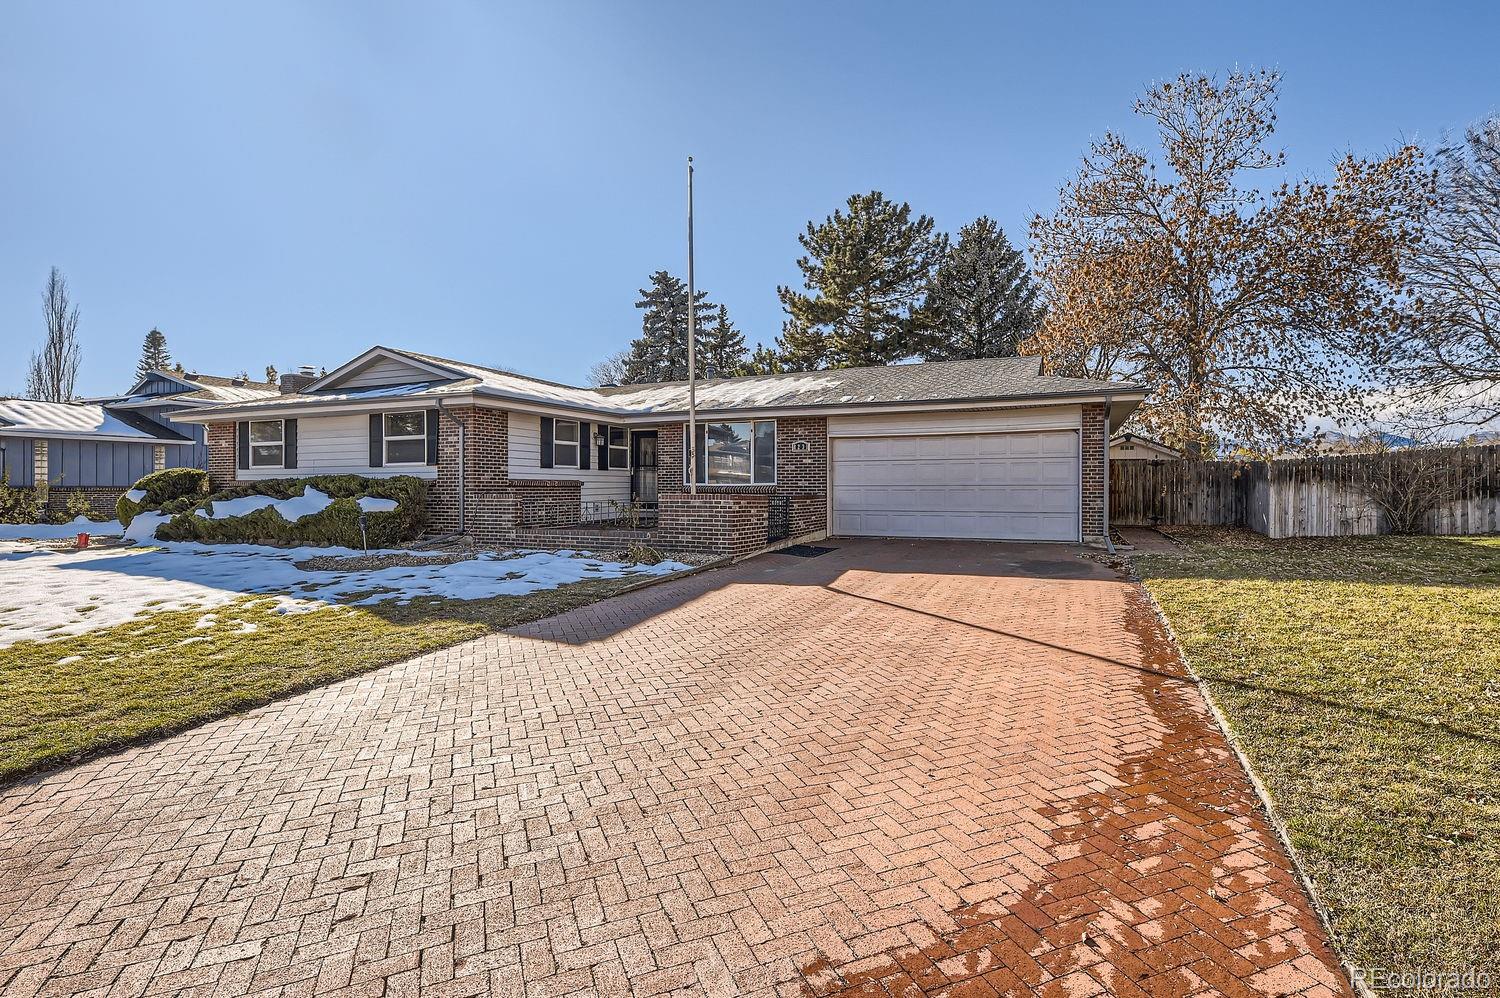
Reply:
x=294, y=381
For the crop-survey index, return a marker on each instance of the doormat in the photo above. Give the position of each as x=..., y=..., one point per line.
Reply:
x=805, y=550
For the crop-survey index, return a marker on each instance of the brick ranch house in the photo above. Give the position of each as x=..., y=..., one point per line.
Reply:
x=984, y=449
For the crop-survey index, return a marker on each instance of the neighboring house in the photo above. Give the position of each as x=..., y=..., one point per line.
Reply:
x=63, y=447
x=1134, y=447
x=161, y=395
x=989, y=449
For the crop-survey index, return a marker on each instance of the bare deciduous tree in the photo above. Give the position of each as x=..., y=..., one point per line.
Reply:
x=1244, y=311
x=54, y=369
x=1405, y=487
x=610, y=370
x=1447, y=367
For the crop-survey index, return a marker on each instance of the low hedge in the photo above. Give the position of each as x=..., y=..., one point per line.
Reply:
x=338, y=524
x=162, y=487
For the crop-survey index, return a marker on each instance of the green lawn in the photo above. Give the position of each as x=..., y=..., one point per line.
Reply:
x=1362, y=678
x=61, y=701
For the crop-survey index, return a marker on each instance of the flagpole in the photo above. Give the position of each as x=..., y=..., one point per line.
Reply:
x=692, y=347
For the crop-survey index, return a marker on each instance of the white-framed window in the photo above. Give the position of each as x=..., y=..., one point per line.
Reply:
x=267, y=443
x=619, y=447
x=405, y=436
x=737, y=453
x=565, y=443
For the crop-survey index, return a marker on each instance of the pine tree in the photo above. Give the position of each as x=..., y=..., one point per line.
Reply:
x=765, y=360
x=154, y=355
x=723, y=353
x=660, y=353
x=869, y=273
x=983, y=299
x=271, y=374
x=801, y=348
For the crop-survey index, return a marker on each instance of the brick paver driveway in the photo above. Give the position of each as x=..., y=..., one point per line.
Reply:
x=900, y=767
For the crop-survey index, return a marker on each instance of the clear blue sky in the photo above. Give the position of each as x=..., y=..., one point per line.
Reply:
x=289, y=183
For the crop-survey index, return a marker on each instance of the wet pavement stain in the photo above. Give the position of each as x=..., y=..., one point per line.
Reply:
x=1167, y=882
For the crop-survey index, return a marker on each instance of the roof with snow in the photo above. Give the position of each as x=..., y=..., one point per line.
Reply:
x=1001, y=379
x=200, y=389
x=80, y=420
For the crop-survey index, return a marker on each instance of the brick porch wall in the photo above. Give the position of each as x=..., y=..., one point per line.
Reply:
x=801, y=475
x=1095, y=490
x=101, y=498
x=221, y=456
x=724, y=523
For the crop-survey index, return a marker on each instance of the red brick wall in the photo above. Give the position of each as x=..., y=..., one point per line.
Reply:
x=726, y=523
x=1095, y=491
x=800, y=475
x=486, y=449
x=101, y=498
x=221, y=455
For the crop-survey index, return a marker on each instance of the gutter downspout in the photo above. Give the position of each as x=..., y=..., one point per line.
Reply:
x=1108, y=544
x=462, y=433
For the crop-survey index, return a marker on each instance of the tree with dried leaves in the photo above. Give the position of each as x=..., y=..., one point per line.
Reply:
x=1247, y=314
x=54, y=369
x=866, y=277
x=1446, y=368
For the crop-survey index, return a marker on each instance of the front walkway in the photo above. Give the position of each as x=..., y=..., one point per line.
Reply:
x=898, y=768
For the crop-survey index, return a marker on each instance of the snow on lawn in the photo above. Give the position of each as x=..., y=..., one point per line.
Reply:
x=58, y=531
x=48, y=594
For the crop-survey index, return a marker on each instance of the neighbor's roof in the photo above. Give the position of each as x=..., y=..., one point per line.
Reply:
x=207, y=389
x=1007, y=379
x=80, y=420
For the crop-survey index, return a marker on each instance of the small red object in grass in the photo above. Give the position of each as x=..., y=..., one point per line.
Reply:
x=83, y=540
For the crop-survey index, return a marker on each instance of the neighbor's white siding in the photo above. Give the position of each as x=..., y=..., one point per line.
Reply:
x=386, y=371
x=526, y=462
x=335, y=445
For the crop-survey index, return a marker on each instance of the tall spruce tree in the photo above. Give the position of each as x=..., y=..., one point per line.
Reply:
x=867, y=274
x=984, y=300
x=724, y=354
x=660, y=353
x=154, y=354
x=764, y=360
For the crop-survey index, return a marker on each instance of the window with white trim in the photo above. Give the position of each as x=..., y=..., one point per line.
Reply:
x=405, y=435
x=267, y=443
x=619, y=447
x=741, y=453
x=565, y=443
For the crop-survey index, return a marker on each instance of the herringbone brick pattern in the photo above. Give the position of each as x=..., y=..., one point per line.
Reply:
x=900, y=769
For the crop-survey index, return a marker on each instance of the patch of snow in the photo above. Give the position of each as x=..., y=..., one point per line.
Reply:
x=247, y=627
x=47, y=587
x=143, y=526
x=190, y=641
x=309, y=502
x=57, y=531
x=68, y=660
x=136, y=495
x=207, y=620
x=370, y=504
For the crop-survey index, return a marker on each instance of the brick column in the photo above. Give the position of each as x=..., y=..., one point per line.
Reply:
x=158, y=457
x=1093, y=442
x=221, y=455
x=486, y=463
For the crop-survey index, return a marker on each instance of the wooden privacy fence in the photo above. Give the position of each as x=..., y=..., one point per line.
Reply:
x=1305, y=497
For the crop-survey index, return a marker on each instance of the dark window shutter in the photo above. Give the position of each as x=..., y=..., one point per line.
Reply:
x=604, y=448
x=377, y=441
x=433, y=416
x=289, y=440
x=546, y=441
x=584, y=443
x=242, y=430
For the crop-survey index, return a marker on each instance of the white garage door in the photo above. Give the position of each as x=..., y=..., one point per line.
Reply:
x=1003, y=486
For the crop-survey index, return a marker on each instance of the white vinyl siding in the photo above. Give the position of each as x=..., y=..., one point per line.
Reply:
x=525, y=432
x=386, y=371
x=998, y=475
x=335, y=445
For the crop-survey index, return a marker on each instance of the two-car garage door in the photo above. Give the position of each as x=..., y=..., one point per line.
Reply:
x=1015, y=485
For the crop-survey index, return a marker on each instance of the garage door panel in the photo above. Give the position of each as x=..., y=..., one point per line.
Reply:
x=1020, y=485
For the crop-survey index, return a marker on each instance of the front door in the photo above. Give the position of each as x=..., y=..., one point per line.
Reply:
x=643, y=464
